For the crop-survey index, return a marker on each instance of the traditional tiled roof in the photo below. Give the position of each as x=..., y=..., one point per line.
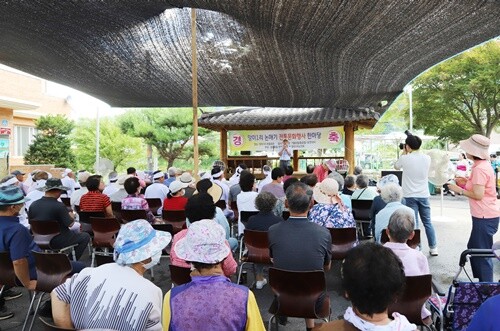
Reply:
x=281, y=118
x=280, y=53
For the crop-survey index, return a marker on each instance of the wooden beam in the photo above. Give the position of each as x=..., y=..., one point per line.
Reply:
x=349, y=145
x=223, y=147
x=194, y=87
x=295, y=160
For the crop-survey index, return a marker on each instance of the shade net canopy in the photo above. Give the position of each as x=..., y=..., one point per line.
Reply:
x=280, y=53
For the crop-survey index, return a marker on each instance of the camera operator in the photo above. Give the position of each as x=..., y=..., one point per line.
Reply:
x=415, y=166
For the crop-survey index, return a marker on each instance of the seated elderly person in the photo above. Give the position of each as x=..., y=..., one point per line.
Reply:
x=330, y=211
x=392, y=194
x=175, y=198
x=400, y=229
x=363, y=192
x=349, y=185
x=94, y=200
x=265, y=203
x=246, y=199
x=210, y=301
x=201, y=207
x=378, y=203
x=215, y=191
x=340, y=180
x=372, y=278
x=135, y=200
x=116, y=295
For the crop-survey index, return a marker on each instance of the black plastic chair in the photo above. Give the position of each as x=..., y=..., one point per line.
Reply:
x=343, y=239
x=361, y=212
x=52, y=269
x=105, y=231
x=154, y=204
x=418, y=290
x=44, y=231
x=179, y=275
x=298, y=294
x=257, y=244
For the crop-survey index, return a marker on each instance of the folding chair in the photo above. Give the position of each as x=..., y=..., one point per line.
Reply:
x=298, y=294
x=67, y=203
x=49, y=326
x=413, y=242
x=234, y=220
x=7, y=274
x=179, y=275
x=154, y=204
x=418, y=290
x=116, y=207
x=52, y=269
x=85, y=216
x=177, y=218
x=343, y=239
x=44, y=231
x=245, y=215
x=361, y=212
x=105, y=231
x=133, y=214
x=257, y=245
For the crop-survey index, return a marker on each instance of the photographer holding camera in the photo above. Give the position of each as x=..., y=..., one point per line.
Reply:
x=415, y=166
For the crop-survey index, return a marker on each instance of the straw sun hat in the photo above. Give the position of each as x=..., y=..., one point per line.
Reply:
x=477, y=146
x=326, y=191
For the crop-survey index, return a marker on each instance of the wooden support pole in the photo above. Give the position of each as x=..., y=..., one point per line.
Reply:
x=295, y=159
x=194, y=60
x=223, y=146
x=349, y=145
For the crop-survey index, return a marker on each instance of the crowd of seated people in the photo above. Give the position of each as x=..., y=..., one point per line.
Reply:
x=207, y=247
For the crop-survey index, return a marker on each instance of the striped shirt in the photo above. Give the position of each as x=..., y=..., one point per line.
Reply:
x=94, y=201
x=112, y=297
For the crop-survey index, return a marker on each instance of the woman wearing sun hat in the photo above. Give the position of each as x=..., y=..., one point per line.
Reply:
x=116, y=295
x=210, y=301
x=330, y=211
x=480, y=189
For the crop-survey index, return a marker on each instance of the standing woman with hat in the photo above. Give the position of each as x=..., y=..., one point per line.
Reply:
x=480, y=189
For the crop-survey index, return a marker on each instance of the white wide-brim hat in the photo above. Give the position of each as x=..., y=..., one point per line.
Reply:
x=477, y=146
x=205, y=242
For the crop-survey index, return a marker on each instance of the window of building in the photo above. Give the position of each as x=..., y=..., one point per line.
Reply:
x=23, y=137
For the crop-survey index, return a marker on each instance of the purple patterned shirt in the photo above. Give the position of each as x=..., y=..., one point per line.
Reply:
x=208, y=303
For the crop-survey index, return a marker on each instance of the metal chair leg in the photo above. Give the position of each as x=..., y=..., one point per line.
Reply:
x=270, y=322
x=36, y=311
x=29, y=311
x=239, y=273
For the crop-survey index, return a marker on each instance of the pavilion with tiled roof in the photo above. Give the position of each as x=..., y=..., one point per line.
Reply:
x=282, y=118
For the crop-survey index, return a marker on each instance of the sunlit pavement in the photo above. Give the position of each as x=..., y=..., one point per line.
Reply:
x=452, y=224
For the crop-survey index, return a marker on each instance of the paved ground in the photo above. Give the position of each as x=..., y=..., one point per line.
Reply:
x=452, y=225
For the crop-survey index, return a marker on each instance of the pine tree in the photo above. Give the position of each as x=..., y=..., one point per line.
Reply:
x=51, y=144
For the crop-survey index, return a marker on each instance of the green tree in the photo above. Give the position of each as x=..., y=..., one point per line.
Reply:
x=121, y=149
x=168, y=129
x=51, y=144
x=460, y=96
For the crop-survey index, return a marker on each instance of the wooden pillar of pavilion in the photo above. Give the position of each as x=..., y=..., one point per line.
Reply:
x=349, y=145
x=295, y=163
x=223, y=146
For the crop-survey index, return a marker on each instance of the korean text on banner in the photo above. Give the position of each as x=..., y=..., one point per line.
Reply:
x=299, y=139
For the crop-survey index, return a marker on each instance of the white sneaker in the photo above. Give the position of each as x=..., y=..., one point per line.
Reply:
x=260, y=284
x=433, y=251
